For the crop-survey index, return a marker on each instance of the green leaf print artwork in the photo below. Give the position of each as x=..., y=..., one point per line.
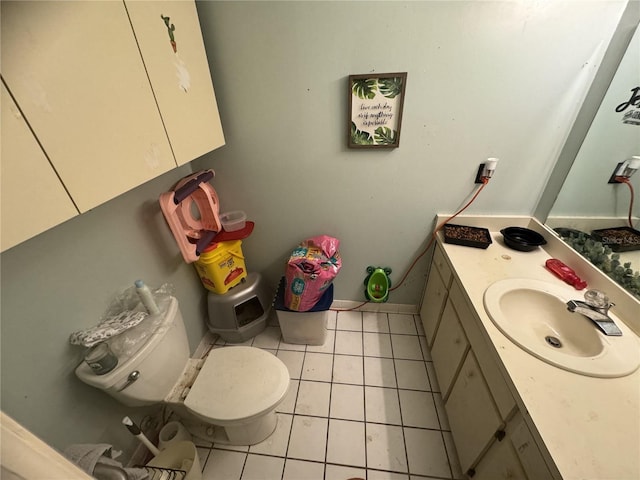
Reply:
x=390, y=87
x=359, y=137
x=365, y=88
x=385, y=136
x=375, y=105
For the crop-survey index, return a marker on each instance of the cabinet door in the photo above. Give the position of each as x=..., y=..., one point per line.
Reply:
x=472, y=415
x=33, y=199
x=500, y=463
x=181, y=80
x=435, y=296
x=440, y=262
x=527, y=450
x=449, y=348
x=75, y=70
x=497, y=385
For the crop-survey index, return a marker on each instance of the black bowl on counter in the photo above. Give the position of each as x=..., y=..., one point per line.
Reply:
x=522, y=239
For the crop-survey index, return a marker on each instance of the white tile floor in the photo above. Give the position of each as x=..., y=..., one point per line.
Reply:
x=365, y=404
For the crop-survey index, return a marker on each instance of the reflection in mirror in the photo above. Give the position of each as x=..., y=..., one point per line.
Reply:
x=594, y=212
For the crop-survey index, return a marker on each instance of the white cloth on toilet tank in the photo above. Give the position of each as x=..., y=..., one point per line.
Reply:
x=109, y=327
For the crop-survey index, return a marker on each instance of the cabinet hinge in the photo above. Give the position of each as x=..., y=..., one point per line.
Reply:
x=499, y=435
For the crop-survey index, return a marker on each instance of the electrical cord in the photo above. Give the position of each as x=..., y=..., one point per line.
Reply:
x=626, y=180
x=485, y=181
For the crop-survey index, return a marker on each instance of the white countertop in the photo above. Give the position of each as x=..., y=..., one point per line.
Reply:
x=590, y=426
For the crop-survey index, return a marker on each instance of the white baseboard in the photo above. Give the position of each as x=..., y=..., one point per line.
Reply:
x=375, y=307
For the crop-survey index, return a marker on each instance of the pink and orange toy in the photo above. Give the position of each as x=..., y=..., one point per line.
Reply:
x=191, y=210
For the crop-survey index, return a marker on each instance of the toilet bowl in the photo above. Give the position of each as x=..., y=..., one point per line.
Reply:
x=229, y=397
x=238, y=389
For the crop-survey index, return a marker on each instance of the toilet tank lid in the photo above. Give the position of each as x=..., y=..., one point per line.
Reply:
x=127, y=361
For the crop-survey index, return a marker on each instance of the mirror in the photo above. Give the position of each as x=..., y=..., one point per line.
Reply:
x=590, y=213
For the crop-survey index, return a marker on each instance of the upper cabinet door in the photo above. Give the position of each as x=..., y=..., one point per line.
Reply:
x=169, y=37
x=33, y=199
x=75, y=71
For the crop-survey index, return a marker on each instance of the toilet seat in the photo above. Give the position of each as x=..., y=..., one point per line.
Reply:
x=237, y=384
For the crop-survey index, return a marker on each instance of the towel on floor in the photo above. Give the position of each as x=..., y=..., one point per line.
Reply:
x=88, y=455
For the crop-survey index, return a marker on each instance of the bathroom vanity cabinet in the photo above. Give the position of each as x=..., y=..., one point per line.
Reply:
x=98, y=102
x=435, y=294
x=491, y=438
x=514, y=414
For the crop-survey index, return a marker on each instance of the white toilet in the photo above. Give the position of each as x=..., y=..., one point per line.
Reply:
x=229, y=397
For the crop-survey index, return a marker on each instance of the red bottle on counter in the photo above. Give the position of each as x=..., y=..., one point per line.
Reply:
x=562, y=271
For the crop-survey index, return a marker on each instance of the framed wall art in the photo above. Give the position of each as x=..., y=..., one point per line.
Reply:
x=375, y=109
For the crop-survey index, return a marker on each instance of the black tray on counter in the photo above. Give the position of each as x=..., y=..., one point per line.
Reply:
x=467, y=236
x=618, y=239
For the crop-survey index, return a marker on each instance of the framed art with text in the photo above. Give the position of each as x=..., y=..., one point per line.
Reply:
x=375, y=109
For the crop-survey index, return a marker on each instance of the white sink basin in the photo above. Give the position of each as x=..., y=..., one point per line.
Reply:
x=533, y=314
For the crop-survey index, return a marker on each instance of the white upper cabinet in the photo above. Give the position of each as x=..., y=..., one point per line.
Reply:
x=180, y=79
x=32, y=197
x=76, y=73
x=109, y=101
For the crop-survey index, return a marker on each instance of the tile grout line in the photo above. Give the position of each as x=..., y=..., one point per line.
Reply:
x=295, y=401
x=444, y=443
x=364, y=393
x=364, y=408
x=404, y=438
x=333, y=356
x=364, y=411
x=364, y=387
x=244, y=464
x=286, y=450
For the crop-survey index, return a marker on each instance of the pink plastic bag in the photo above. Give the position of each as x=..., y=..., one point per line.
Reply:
x=311, y=268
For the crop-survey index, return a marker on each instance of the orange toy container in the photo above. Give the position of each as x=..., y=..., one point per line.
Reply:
x=221, y=266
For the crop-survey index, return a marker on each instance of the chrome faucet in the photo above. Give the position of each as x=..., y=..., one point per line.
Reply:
x=596, y=307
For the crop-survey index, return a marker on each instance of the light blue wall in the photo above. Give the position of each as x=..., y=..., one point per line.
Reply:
x=484, y=79
x=62, y=281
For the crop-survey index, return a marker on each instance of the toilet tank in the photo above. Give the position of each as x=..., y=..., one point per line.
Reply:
x=160, y=361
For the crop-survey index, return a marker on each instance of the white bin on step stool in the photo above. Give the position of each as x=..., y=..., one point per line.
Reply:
x=305, y=328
